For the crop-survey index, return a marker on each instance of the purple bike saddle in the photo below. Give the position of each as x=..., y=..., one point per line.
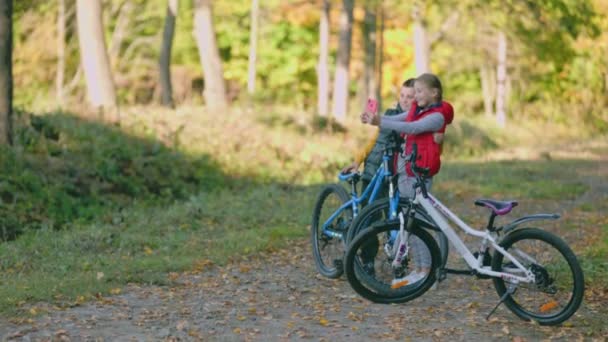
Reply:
x=498, y=207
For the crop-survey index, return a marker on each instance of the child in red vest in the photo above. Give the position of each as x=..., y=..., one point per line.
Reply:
x=429, y=114
x=371, y=153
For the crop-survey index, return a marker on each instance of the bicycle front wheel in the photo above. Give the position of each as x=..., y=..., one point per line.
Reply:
x=328, y=242
x=557, y=291
x=379, y=211
x=368, y=264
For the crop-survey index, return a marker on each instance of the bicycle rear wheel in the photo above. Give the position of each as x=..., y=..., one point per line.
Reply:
x=559, y=283
x=327, y=245
x=373, y=280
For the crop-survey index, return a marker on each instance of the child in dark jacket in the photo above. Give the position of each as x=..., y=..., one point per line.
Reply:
x=372, y=151
x=428, y=115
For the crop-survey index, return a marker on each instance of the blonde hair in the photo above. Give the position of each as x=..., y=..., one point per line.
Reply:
x=433, y=82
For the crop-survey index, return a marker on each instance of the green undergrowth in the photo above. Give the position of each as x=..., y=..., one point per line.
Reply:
x=144, y=244
x=87, y=207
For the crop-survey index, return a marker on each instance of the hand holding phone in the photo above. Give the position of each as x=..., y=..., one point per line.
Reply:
x=372, y=106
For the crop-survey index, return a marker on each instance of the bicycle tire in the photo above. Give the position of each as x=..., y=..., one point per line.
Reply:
x=332, y=269
x=376, y=290
x=380, y=208
x=547, y=271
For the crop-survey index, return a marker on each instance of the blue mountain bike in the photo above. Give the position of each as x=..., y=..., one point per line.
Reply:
x=335, y=211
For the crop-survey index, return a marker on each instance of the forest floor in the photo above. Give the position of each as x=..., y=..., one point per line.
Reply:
x=281, y=297
x=278, y=295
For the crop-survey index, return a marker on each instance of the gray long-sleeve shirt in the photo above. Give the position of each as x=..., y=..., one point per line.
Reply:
x=430, y=123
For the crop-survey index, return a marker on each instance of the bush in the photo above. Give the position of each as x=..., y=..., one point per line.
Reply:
x=64, y=168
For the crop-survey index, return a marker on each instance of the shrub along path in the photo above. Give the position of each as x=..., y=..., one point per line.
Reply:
x=278, y=295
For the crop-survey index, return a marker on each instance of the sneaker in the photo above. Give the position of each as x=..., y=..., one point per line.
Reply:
x=411, y=278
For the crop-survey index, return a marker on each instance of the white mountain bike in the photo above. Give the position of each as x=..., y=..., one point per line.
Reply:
x=535, y=272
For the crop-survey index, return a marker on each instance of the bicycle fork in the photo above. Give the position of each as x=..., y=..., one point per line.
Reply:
x=401, y=243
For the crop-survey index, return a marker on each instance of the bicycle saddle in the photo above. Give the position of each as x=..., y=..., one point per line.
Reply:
x=498, y=207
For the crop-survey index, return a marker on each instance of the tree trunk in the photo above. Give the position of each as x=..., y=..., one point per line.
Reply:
x=485, y=74
x=323, y=66
x=380, y=55
x=253, y=42
x=341, y=80
x=165, y=55
x=121, y=31
x=60, y=75
x=6, y=71
x=501, y=79
x=215, y=89
x=93, y=54
x=421, y=43
x=369, y=42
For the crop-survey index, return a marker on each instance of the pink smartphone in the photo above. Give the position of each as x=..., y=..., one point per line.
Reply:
x=372, y=106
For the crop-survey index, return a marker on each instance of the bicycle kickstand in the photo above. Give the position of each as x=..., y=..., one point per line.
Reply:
x=510, y=290
x=441, y=274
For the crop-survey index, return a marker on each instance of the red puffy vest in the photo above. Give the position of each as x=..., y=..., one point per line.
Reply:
x=429, y=152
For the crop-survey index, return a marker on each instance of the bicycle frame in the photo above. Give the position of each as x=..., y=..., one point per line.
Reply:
x=372, y=191
x=440, y=212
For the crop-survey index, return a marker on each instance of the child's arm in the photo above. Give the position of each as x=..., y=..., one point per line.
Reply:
x=430, y=123
x=438, y=137
x=362, y=154
x=398, y=117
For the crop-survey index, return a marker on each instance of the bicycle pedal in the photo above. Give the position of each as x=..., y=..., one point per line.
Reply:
x=338, y=264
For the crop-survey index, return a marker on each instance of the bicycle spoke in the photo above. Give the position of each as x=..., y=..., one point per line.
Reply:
x=522, y=254
x=332, y=248
x=372, y=271
x=328, y=224
x=555, y=293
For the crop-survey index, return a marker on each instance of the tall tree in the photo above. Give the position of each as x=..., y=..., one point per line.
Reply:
x=501, y=79
x=488, y=86
x=6, y=71
x=341, y=80
x=215, y=88
x=60, y=76
x=425, y=40
x=94, y=55
x=369, y=42
x=253, y=42
x=421, y=41
x=380, y=53
x=122, y=26
x=165, y=54
x=323, y=65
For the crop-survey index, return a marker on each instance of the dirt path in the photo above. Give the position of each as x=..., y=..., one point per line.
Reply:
x=279, y=296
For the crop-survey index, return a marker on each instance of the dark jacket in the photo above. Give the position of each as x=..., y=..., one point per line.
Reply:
x=374, y=159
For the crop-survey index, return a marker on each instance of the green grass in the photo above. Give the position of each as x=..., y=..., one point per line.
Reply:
x=595, y=264
x=143, y=244
x=98, y=206
x=523, y=180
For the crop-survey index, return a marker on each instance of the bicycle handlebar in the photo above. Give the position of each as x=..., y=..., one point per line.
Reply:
x=393, y=144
